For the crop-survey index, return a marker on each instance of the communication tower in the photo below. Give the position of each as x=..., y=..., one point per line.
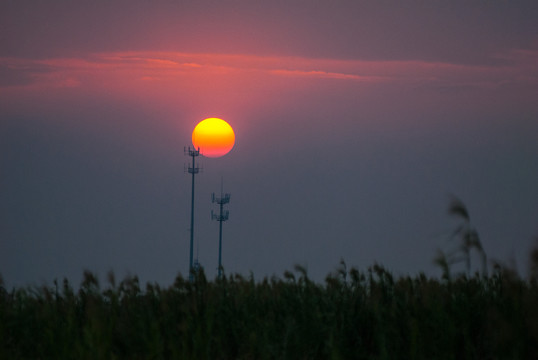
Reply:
x=223, y=216
x=192, y=169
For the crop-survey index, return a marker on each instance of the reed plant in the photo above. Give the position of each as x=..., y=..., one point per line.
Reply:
x=352, y=315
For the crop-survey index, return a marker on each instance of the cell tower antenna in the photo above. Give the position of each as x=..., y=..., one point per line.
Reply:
x=192, y=169
x=223, y=216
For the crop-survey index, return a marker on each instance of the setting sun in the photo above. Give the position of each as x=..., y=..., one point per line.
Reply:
x=214, y=137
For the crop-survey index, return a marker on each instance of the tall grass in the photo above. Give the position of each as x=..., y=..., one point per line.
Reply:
x=352, y=315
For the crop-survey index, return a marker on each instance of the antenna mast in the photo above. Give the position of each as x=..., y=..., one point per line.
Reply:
x=223, y=216
x=193, y=169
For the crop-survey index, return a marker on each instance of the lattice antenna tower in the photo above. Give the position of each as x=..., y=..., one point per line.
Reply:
x=222, y=216
x=192, y=169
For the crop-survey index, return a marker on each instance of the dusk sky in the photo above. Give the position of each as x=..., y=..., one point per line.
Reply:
x=354, y=121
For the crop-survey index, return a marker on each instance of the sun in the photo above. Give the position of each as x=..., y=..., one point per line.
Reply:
x=214, y=137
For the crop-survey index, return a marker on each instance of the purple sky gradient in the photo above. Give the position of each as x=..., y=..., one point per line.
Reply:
x=354, y=122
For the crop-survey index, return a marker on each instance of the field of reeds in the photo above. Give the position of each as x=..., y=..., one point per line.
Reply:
x=353, y=314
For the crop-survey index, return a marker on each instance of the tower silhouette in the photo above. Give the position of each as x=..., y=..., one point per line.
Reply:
x=223, y=216
x=193, y=169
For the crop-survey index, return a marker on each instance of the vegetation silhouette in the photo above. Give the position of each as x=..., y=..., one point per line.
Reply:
x=353, y=314
x=466, y=238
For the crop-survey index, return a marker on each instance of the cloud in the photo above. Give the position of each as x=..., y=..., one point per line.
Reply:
x=317, y=74
x=167, y=76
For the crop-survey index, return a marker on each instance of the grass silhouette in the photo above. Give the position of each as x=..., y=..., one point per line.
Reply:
x=353, y=314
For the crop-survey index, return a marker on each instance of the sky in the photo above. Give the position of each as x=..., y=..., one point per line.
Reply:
x=355, y=123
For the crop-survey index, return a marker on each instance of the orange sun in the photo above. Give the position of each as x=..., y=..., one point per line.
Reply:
x=214, y=136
